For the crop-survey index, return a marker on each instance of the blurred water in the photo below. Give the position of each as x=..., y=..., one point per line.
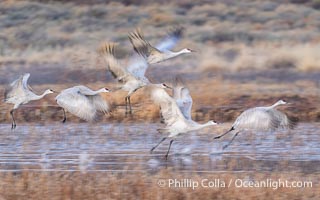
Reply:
x=118, y=147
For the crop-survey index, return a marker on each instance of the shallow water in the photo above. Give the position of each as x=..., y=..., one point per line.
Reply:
x=126, y=147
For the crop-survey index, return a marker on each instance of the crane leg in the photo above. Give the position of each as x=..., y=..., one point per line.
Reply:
x=128, y=105
x=166, y=156
x=126, y=100
x=130, y=109
x=234, y=136
x=153, y=148
x=161, y=117
x=219, y=136
x=64, y=116
x=13, y=125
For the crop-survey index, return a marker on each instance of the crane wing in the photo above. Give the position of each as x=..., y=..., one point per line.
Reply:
x=137, y=66
x=25, y=80
x=182, y=97
x=99, y=103
x=25, y=84
x=17, y=88
x=256, y=119
x=76, y=103
x=185, y=103
x=95, y=99
x=168, y=106
x=120, y=73
x=177, y=87
x=171, y=39
x=140, y=45
x=285, y=122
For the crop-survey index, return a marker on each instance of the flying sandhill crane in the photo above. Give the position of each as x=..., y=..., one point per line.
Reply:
x=260, y=119
x=19, y=92
x=131, y=82
x=82, y=102
x=176, y=123
x=162, y=51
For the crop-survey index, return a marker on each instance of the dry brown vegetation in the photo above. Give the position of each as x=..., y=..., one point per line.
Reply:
x=138, y=185
x=245, y=34
x=213, y=99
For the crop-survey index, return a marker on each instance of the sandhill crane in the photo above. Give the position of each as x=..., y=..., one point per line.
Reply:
x=131, y=82
x=19, y=92
x=260, y=118
x=82, y=102
x=176, y=123
x=162, y=51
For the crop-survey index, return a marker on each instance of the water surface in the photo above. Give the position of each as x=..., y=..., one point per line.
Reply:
x=126, y=147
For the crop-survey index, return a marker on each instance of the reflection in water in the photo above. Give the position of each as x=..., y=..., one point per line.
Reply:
x=114, y=147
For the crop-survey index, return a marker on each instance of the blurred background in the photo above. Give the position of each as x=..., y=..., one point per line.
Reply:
x=249, y=53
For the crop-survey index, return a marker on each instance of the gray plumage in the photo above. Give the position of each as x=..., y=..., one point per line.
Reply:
x=19, y=92
x=284, y=121
x=83, y=102
x=182, y=96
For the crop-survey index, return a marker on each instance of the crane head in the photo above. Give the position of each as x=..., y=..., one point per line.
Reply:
x=164, y=86
x=188, y=50
x=50, y=91
x=282, y=102
x=107, y=90
x=211, y=122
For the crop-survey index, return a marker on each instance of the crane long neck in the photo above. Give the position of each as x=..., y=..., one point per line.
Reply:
x=99, y=91
x=200, y=126
x=95, y=92
x=174, y=54
x=274, y=105
x=207, y=124
x=37, y=97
